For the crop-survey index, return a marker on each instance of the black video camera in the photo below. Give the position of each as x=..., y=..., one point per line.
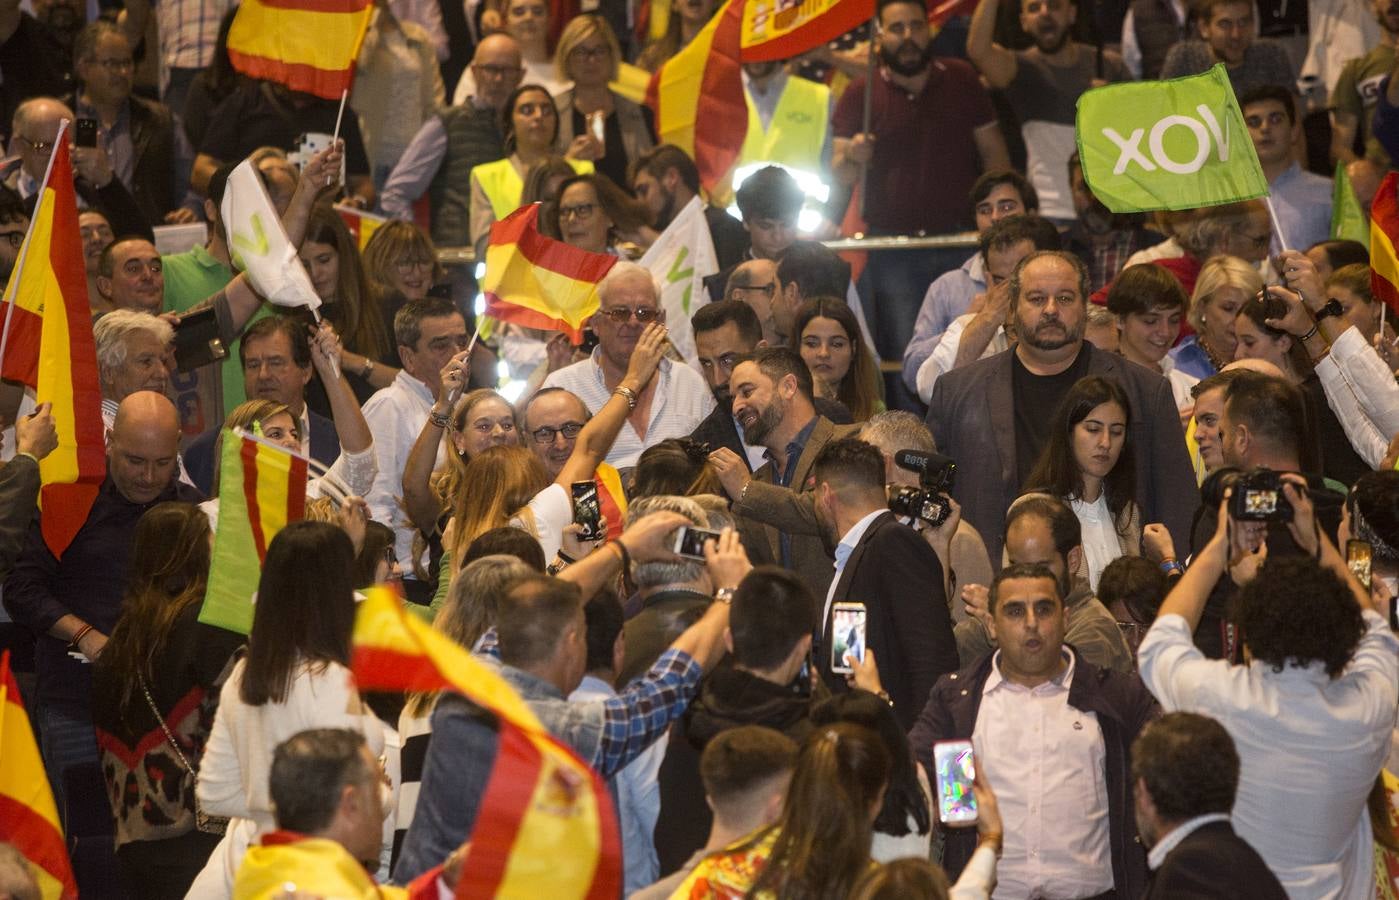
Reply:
x=928, y=502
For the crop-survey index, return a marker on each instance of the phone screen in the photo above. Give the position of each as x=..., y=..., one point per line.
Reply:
x=689, y=542
x=1358, y=560
x=85, y=133
x=847, y=636
x=955, y=766
x=587, y=511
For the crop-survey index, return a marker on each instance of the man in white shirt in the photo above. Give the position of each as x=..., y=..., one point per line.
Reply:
x=674, y=402
x=428, y=333
x=1052, y=732
x=1312, y=712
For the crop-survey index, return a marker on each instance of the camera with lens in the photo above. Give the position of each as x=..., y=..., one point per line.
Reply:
x=928, y=502
x=1258, y=497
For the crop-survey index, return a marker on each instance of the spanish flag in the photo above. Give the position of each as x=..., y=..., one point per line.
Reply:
x=308, y=45
x=262, y=487
x=28, y=816
x=546, y=826
x=1384, y=234
x=612, y=499
x=360, y=224
x=698, y=99
x=47, y=344
x=538, y=282
x=780, y=30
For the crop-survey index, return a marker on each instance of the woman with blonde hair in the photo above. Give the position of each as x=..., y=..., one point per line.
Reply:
x=1223, y=287
x=401, y=264
x=588, y=55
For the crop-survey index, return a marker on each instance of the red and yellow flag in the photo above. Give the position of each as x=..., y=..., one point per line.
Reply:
x=1384, y=235
x=308, y=45
x=546, y=826
x=612, y=499
x=48, y=346
x=360, y=224
x=780, y=29
x=538, y=282
x=262, y=487
x=28, y=816
x=698, y=99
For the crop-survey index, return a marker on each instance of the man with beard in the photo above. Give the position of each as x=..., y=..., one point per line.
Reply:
x=1042, y=85
x=885, y=565
x=665, y=179
x=1227, y=30
x=36, y=51
x=994, y=416
x=772, y=401
x=1104, y=240
x=933, y=132
x=1358, y=89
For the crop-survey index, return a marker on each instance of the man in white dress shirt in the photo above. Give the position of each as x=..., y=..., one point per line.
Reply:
x=428, y=333
x=1312, y=712
x=675, y=401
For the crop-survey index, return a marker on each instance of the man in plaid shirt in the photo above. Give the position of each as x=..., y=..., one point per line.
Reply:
x=543, y=651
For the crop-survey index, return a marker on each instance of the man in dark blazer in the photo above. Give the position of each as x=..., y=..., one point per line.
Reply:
x=276, y=359
x=994, y=416
x=1185, y=772
x=772, y=401
x=888, y=567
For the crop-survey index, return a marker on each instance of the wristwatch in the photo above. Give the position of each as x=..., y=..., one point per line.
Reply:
x=724, y=595
x=1333, y=307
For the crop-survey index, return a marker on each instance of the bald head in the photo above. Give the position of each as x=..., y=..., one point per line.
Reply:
x=497, y=68
x=1261, y=366
x=143, y=447
x=35, y=128
x=755, y=282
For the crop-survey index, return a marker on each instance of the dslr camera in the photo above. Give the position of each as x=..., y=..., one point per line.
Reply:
x=1258, y=497
x=927, y=502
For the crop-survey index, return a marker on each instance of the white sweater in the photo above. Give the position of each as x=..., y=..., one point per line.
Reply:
x=238, y=757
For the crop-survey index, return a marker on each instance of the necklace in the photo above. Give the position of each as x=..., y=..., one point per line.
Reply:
x=1214, y=359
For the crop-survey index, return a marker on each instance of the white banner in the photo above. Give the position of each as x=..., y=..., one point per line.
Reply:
x=680, y=259
x=258, y=244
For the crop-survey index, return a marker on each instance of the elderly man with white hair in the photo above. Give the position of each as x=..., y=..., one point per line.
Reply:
x=674, y=402
x=134, y=353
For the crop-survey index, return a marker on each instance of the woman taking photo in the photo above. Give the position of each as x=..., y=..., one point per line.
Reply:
x=154, y=691
x=842, y=367
x=588, y=55
x=1088, y=463
x=1225, y=283
x=530, y=125
x=332, y=260
x=295, y=676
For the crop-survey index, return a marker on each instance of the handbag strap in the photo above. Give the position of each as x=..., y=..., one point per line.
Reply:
x=174, y=745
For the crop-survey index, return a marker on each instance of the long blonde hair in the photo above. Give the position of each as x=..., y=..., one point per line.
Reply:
x=503, y=480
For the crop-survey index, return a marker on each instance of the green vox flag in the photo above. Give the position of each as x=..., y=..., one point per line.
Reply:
x=1176, y=144
x=1348, y=220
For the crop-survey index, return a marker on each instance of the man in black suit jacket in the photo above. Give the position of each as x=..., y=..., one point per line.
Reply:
x=993, y=416
x=1185, y=772
x=889, y=568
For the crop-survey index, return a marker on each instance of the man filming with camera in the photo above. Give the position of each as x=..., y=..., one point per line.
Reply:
x=1262, y=427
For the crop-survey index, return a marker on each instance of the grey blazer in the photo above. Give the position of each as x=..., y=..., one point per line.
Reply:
x=636, y=137
x=972, y=419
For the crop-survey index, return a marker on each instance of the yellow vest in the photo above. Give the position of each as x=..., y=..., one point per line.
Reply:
x=504, y=186
x=797, y=132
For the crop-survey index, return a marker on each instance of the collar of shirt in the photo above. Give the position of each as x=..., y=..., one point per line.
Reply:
x=1291, y=173
x=996, y=680
x=413, y=387
x=84, y=110
x=1163, y=847
x=28, y=184
x=304, y=424
x=794, y=451
x=975, y=267
x=851, y=538
x=529, y=685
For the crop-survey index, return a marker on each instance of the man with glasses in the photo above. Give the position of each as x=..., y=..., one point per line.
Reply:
x=449, y=145
x=429, y=333
x=553, y=419
x=674, y=402
x=148, y=152
x=754, y=283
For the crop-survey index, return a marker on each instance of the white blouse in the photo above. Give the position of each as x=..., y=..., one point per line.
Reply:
x=1100, y=542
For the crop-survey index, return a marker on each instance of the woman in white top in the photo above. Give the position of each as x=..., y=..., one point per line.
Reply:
x=295, y=676
x=1087, y=462
x=1150, y=306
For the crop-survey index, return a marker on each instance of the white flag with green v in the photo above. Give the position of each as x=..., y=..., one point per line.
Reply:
x=1178, y=144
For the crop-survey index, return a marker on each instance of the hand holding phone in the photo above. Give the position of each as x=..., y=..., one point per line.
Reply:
x=587, y=510
x=689, y=542
x=847, y=637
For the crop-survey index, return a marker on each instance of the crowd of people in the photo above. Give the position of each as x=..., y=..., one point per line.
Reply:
x=1123, y=516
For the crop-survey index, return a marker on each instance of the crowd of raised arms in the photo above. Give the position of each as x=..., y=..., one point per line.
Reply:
x=1092, y=596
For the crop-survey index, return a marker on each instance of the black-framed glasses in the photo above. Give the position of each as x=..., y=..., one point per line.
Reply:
x=621, y=314
x=767, y=290
x=581, y=211
x=583, y=53
x=545, y=434
x=497, y=71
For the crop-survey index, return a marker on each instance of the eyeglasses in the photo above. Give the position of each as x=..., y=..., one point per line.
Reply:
x=36, y=146
x=545, y=435
x=621, y=314
x=405, y=266
x=767, y=290
x=115, y=65
x=16, y=238
x=590, y=53
x=273, y=364
x=581, y=212
x=496, y=71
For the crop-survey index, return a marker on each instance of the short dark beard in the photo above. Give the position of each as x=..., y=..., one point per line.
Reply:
x=891, y=60
x=763, y=426
x=1050, y=50
x=667, y=213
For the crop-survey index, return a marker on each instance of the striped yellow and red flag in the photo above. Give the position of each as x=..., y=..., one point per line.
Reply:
x=546, y=826
x=262, y=487
x=28, y=816
x=47, y=344
x=697, y=96
x=612, y=499
x=308, y=45
x=360, y=224
x=538, y=282
x=1384, y=235
x=780, y=30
